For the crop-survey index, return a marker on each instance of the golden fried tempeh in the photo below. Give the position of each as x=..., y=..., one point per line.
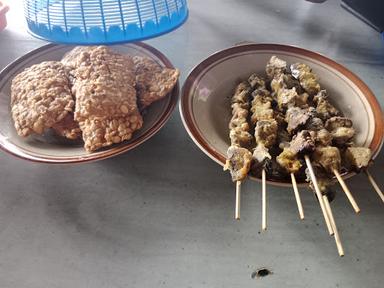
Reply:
x=41, y=97
x=68, y=127
x=106, y=107
x=153, y=82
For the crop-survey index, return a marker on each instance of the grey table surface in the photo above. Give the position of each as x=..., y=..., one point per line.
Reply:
x=162, y=214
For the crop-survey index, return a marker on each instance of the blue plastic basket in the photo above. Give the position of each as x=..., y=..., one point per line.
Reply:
x=103, y=21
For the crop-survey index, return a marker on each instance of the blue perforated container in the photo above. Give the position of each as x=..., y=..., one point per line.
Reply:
x=103, y=21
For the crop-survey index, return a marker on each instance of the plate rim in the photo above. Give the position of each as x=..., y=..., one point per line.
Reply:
x=185, y=101
x=103, y=154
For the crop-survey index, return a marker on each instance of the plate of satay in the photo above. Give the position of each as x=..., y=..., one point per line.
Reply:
x=284, y=116
x=63, y=104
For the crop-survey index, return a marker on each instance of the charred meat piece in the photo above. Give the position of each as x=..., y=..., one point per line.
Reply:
x=323, y=137
x=327, y=157
x=277, y=84
x=238, y=162
x=302, y=100
x=314, y=124
x=280, y=119
x=324, y=108
x=283, y=138
x=287, y=98
x=341, y=130
x=307, y=78
x=323, y=181
x=240, y=137
x=322, y=94
x=241, y=94
x=266, y=132
x=337, y=122
x=260, y=158
x=238, y=125
x=291, y=82
x=302, y=143
x=40, y=97
x=287, y=93
x=261, y=106
x=256, y=82
x=239, y=116
x=358, y=157
x=275, y=171
x=289, y=161
x=275, y=67
x=296, y=118
x=342, y=136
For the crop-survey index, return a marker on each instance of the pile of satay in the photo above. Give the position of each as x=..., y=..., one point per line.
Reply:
x=283, y=126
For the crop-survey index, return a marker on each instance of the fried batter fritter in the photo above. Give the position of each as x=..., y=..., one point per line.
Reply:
x=153, y=82
x=68, y=127
x=40, y=97
x=106, y=104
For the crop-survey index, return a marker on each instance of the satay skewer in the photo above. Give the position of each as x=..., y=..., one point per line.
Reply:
x=261, y=157
x=374, y=184
x=339, y=246
x=319, y=195
x=265, y=135
x=238, y=156
x=346, y=191
x=276, y=70
x=297, y=196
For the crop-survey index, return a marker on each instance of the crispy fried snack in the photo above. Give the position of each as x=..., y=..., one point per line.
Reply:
x=153, y=82
x=68, y=127
x=106, y=108
x=74, y=58
x=40, y=97
x=238, y=162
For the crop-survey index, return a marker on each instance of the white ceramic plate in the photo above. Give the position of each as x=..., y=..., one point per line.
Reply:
x=205, y=102
x=51, y=149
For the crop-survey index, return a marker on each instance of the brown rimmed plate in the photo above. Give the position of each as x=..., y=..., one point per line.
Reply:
x=53, y=149
x=205, y=101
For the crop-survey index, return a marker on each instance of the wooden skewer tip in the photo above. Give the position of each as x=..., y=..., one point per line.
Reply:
x=339, y=245
x=346, y=191
x=319, y=195
x=297, y=197
x=374, y=184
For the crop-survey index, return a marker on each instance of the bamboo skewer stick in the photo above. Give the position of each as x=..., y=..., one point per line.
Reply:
x=264, y=201
x=238, y=196
x=318, y=194
x=339, y=246
x=346, y=191
x=297, y=196
x=374, y=184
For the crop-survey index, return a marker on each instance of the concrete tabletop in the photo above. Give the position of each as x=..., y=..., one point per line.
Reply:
x=161, y=215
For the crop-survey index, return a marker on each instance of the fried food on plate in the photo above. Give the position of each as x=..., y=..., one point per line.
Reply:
x=40, y=97
x=68, y=127
x=106, y=108
x=91, y=94
x=153, y=82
